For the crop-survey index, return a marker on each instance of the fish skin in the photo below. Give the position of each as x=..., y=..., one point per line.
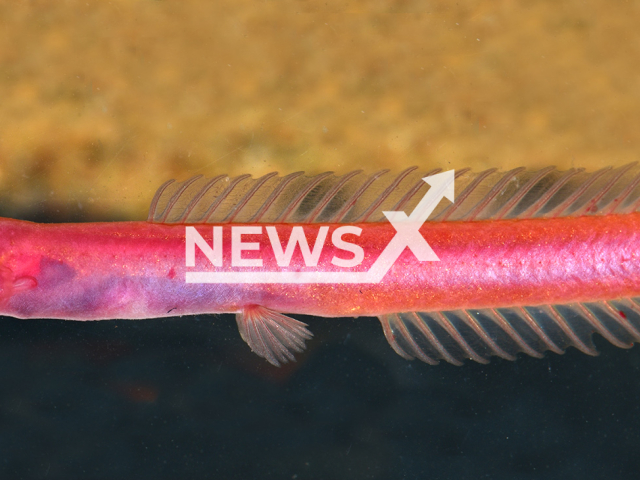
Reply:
x=136, y=270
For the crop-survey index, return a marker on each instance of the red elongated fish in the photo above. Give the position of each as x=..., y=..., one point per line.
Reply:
x=522, y=261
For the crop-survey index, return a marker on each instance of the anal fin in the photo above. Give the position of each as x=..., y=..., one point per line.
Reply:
x=271, y=335
x=455, y=336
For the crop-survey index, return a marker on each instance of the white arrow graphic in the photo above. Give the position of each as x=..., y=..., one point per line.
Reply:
x=407, y=235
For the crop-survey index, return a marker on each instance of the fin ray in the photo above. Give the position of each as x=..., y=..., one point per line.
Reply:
x=455, y=336
x=358, y=197
x=271, y=335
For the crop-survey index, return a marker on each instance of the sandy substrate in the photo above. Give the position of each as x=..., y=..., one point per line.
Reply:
x=103, y=101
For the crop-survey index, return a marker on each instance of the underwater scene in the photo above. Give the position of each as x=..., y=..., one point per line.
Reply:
x=319, y=240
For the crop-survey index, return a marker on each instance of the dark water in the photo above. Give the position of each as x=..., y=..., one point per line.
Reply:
x=185, y=398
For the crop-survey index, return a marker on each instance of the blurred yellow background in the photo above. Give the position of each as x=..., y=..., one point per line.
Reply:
x=101, y=102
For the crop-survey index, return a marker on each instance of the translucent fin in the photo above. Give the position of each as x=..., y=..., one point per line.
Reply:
x=455, y=336
x=548, y=192
x=271, y=335
x=358, y=197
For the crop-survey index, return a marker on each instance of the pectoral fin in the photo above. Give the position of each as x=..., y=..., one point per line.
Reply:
x=272, y=335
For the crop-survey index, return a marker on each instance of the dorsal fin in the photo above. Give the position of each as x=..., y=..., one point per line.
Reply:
x=358, y=197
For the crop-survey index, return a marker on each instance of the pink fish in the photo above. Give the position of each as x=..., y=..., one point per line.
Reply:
x=522, y=261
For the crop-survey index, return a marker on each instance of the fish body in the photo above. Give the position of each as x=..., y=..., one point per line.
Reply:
x=492, y=290
x=98, y=271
